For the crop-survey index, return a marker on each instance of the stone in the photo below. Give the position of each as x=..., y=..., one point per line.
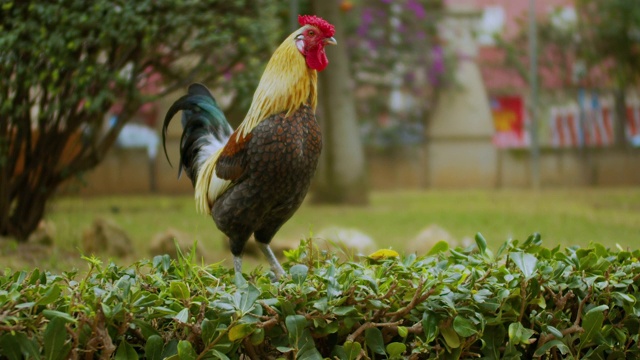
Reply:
x=106, y=237
x=428, y=237
x=165, y=243
x=352, y=242
x=44, y=234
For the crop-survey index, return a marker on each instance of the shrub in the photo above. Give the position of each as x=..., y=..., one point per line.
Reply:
x=525, y=301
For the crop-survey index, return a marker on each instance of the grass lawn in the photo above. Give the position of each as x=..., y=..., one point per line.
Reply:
x=566, y=217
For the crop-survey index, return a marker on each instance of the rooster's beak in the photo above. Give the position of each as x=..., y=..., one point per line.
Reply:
x=330, y=41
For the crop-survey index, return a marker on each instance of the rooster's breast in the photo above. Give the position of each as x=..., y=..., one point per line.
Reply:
x=281, y=158
x=283, y=153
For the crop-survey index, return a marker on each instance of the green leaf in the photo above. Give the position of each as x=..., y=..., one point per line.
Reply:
x=146, y=328
x=592, y=325
x=162, y=262
x=309, y=352
x=208, y=330
x=106, y=310
x=463, y=326
x=170, y=349
x=532, y=240
x=52, y=294
x=562, y=347
x=352, y=349
x=185, y=351
x=481, y=242
x=240, y=331
x=257, y=337
x=493, y=338
x=284, y=349
x=30, y=347
x=429, y=326
x=600, y=308
x=179, y=290
x=525, y=262
x=403, y=331
x=248, y=297
x=239, y=280
x=624, y=297
x=373, y=340
x=295, y=326
x=439, y=247
x=344, y=310
x=518, y=334
x=396, y=349
x=339, y=353
x=600, y=250
x=55, y=337
x=52, y=314
x=126, y=352
x=10, y=348
x=182, y=316
x=299, y=273
x=555, y=332
x=321, y=304
x=218, y=355
x=153, y=348
x=450, y=336
x=26, y=305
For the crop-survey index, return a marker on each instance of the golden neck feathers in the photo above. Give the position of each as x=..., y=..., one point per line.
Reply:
x=286, y=84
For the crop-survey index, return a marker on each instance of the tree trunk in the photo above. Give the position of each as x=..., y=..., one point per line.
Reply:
x=27, y=215
x=341, y=176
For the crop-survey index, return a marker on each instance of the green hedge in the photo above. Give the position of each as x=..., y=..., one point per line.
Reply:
x=525, y=301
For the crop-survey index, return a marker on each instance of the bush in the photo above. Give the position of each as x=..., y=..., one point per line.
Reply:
x=525, y=301
x=67, y=66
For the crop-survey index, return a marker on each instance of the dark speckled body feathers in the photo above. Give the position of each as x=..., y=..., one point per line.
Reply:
x=278, y=162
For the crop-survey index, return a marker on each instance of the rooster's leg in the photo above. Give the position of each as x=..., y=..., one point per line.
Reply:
x=237, y=264
x=271, y=258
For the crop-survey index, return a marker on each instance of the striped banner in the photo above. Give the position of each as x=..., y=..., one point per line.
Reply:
x=594, y=129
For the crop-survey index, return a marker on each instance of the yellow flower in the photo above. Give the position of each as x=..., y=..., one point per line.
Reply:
x=383, y=254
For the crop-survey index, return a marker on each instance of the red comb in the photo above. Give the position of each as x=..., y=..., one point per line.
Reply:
x=327, y=29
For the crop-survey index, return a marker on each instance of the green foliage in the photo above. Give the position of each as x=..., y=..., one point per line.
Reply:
x=64, y=64
x=524, y=301
x=605, y=38
x=609, y=30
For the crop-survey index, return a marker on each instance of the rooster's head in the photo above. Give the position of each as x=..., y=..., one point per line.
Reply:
x=312, y=37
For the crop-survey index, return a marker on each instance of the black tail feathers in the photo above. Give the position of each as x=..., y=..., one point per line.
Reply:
x=205, y=128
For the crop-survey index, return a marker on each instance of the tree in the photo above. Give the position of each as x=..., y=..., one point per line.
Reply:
x=342, y=173
x=385, y=46
x=64, y=64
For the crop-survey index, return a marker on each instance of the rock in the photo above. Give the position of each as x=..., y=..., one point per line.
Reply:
x=105, y=237
x=428, y=237
x=44, y=234
x=466, y=242
x=165, y=243
x=350, y=241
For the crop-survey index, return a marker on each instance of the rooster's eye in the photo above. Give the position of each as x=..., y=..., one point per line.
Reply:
x=311, y=33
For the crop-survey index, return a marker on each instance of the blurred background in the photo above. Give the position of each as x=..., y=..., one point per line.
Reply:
x=441, y=118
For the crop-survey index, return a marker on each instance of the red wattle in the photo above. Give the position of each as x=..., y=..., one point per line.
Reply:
x=317, y=59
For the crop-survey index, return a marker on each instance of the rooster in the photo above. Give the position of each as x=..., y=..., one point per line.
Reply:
x=253, y=179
